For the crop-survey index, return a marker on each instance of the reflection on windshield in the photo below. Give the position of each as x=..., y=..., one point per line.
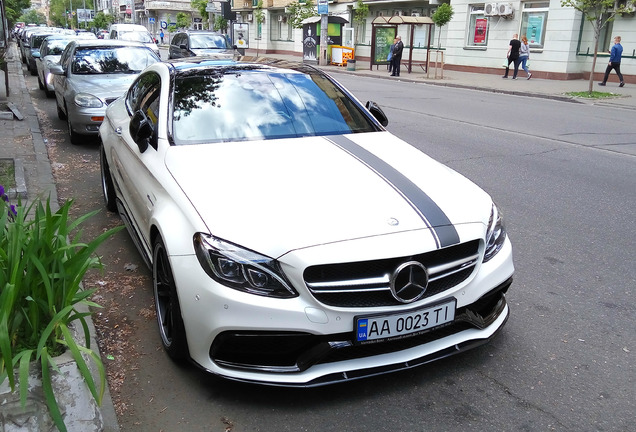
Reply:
x=112, y=60
x=243, y=104
x=56, y=46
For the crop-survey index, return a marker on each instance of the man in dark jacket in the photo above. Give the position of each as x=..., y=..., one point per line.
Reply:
x=397, y=55
x=513, y=55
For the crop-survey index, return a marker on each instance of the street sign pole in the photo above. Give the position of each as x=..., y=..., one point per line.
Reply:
x=323, y=10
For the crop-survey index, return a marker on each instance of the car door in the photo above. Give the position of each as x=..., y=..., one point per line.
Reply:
x=133, y=169
x=61, y=81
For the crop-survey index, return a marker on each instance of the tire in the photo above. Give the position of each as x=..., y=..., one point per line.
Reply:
x=108, y=188
x=169, y=318
x=75, y=138
x=60, y=112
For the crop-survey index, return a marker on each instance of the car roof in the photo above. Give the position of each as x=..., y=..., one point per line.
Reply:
x=193, y=64
x=80, y=42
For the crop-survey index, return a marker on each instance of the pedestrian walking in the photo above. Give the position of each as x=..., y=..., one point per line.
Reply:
x=397, y=55
x=614, y=62
x=524, y=56
x=161, y=35
x=513, y=56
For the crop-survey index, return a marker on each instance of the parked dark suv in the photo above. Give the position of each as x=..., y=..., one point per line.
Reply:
x=199, y=43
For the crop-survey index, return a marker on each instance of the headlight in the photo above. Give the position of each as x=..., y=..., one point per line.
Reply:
x=496, y=234
x=87, y=101
x=240, y=268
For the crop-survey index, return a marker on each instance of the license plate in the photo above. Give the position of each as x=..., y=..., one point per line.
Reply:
x=381, y=327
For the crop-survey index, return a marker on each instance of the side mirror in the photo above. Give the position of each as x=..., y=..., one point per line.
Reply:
x=56, y=69
x=183, y=46
x=35, y=54
x=377, y=112
x=140, y=130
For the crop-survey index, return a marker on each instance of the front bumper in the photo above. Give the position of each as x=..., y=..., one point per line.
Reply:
x=301, y=342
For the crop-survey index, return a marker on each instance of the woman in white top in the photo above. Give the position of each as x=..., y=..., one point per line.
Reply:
x=524, y=55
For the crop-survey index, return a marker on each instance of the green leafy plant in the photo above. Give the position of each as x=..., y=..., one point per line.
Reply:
x=220, y=23
x=360, y=13
x=41, y=270
x=300, y=11
x=441, y=17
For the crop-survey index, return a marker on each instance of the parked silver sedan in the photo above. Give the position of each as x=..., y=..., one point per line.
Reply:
x=91, y=74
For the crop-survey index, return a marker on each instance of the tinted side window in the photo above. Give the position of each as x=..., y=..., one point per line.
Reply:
x=137, y=94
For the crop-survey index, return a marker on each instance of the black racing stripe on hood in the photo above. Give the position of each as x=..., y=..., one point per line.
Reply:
x=443, y=230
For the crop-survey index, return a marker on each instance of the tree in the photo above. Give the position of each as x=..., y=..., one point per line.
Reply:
x=33, y=16
x=441, y=17
x=360, y=13
x=298, y=12
x=183, y=20
x=200, y=6
x=598, y=13
x=220, y=24
x=259, y=18
x=13, y=9
x=103, y=21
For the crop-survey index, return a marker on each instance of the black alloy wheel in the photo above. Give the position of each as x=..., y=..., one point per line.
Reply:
x=108, y=187
x=171, y=328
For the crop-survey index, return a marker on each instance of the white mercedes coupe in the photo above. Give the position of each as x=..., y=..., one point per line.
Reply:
x=293, y=240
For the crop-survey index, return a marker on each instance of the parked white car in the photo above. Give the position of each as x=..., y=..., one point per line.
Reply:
x=292, y=239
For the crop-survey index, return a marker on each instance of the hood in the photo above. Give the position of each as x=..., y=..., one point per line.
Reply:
x=104, y=86
x=279, y=195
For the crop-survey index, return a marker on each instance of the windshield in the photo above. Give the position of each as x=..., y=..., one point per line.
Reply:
x=136, y=36
x=244, y=104
x=108, y=60
x=56, y=46
x=207, y=41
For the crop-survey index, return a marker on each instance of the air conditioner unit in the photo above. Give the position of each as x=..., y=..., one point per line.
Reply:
x=505, y=9
x=250, y=17
x=416, y=14
x=398, y=12
x=490, y=9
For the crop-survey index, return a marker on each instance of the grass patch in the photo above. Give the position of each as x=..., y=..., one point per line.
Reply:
x=7, y=174
x=593, y=95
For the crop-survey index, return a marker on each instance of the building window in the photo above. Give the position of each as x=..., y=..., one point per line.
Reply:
x=477, y=27
x=534, y=18
x=281, y=29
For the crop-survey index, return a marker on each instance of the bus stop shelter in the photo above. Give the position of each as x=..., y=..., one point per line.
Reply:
x=384, y=30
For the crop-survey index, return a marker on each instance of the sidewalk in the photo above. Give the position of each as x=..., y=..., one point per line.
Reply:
x=535, y=87
x=22, y=141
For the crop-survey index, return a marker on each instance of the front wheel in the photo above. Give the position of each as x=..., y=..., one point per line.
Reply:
x=108, y=187
x=74, y=137
x=169, y=318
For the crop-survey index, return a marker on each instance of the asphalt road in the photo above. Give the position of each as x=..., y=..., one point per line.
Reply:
x=563, y=176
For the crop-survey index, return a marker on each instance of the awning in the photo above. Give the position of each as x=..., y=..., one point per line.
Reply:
x=331, y=18
x=402, y=19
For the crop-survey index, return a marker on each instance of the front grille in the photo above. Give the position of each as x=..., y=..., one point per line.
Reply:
x=366, y=283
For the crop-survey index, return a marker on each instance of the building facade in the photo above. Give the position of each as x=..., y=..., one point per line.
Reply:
x=477, y=37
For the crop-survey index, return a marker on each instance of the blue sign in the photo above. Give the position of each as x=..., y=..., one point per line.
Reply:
x=323, y=7
x=164, y=25
x=151, y=20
